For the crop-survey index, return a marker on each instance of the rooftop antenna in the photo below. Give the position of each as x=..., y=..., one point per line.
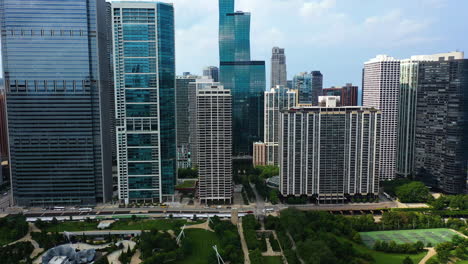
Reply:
x=218, y=256
x=179, y=237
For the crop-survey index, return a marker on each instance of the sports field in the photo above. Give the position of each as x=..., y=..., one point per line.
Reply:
x=433, y=236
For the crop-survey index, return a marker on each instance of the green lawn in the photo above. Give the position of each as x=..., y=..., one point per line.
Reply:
x=387, y=258
x=272, y=260
x=433, y=236
x=202, y=247
x=124, y=224
x=187, y=184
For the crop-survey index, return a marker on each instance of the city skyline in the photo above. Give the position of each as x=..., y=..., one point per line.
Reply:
x=409, y=24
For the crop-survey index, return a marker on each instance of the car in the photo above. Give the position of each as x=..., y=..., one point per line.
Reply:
x=5, y=194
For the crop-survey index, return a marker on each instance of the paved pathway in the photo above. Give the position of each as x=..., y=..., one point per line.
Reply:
x=245, y=249
x=294, y=247
x=430, y=253
x=136, y=257
x=205, y=226
x=270, y=252
x=113, y=257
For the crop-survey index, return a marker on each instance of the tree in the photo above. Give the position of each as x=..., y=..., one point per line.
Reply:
x=413, y=192
x=407, y=260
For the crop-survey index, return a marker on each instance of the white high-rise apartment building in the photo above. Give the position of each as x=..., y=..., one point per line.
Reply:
x=278, y=67
x=381, y=86
x=276, y=99
x=214, y=137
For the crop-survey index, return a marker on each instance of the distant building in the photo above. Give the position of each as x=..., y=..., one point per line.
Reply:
x=3, y=128
x=144, y=57
x=211, y=72
x=381, y=87
x=348, y=94
x=259, y=154
x=309, y=86
x=276, y=99
x=409, y=77
x=56, y=81
x=441, y=134
x=278, y=67
x=182, y=109
x=184, y=160
x=242, y=76
x=329, y=101
x=289, y=84
x=214, y=137
x=329, y=153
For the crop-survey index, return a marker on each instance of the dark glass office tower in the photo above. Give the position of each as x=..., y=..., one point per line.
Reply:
x=441, y=135
x=245, y=78
x=310, y=86
x=56, y=80
x=144, y=57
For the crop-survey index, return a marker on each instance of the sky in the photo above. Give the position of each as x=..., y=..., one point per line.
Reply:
x=333, y=36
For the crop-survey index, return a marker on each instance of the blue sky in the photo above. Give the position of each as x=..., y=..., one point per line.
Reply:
x=333, y=36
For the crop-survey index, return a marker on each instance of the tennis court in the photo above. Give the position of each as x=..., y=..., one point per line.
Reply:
x=433, y=236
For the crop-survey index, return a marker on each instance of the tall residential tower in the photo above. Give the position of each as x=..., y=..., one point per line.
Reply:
x=144, y=66
x=278, y=67
x=381, y=87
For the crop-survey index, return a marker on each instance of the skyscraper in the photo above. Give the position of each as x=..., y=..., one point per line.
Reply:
x=309, y=86
x=276, y=99
x=243, y=77
x=329, y=153
x=144, y=63
x=182, y=109
x=56, y=80
x=348, y=94
x=214, y=137
x=441, y=134
x=211, y=72
x=409, y=73
x=278, y=67
x=381, y=86
x=3, y=126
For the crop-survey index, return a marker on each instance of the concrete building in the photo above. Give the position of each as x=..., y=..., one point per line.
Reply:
x=381, y=87
x=409, y=77
x=309, y=87
x=144, y=67
x=441, y=133
x=212, y=72
x=3, y=127
x=214, y=137
x=56, y=79
x=278, y=67
x=348, y=94
x=259, y=154
x=329, y=153
x=276, y=99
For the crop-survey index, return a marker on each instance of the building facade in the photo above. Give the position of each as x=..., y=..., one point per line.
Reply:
x=409, y=72
x=243, y=77
x=381, y=86
x=3, y=126
x=259, y=154
x=348, y=94
x=144, y=67
x=212, y=72
x=277, y=99
x=441, y=134
x=309, y=86
x=214, y=137
x=278, y=67
x=182, y=109
x=329, y=153
x=56, y=80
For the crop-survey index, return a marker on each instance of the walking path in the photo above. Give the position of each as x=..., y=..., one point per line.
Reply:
x=136, y=257
x=294, y=247
x=113, y=257
x=205, y=226
x=430, y=253
x=270, y=252
x=245, y=249
x=27, y=238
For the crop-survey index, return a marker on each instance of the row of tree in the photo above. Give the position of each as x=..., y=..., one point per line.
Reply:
x=393, y=247
x=457, y=248
x=230, y=248
x=12, y=228
x=160, y=247
x=16, y=253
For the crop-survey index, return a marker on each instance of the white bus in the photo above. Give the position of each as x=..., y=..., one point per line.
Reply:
x=59, y=208
x=85, y=209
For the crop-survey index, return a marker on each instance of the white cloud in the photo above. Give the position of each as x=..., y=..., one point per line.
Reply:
x=316, y=8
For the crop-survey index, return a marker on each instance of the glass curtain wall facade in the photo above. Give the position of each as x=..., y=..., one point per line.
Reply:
x=56, y=79
x=144, y=72
x=243, y=77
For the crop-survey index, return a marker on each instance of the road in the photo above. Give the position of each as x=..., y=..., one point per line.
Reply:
x=4, y=201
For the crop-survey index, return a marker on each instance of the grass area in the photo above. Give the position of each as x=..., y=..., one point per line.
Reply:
x=433, y=236
x=387, y=258
x=127, y=224
x=203, y=241
x=187, y=184
x=272, y=260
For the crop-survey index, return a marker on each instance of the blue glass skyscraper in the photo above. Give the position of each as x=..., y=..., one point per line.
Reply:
x=245, y=78
x=144, y=69
x=55, y=68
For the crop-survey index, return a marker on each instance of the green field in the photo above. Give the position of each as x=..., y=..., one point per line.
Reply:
x=272, y=260
x=433, y=236
x=202, y=247
x=388, y=258
x=187, y=184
